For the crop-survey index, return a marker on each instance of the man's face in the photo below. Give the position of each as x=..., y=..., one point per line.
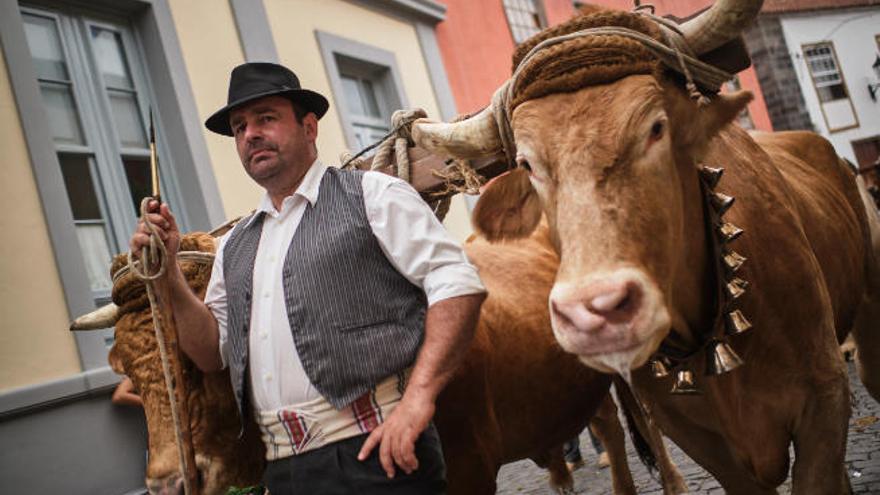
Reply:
x=274, y=148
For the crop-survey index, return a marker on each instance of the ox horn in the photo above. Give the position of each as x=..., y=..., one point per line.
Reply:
x=470, y=138
x=724, y=21
x=103, y=317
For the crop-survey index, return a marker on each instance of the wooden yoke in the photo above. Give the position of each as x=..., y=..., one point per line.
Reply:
x=431, y=185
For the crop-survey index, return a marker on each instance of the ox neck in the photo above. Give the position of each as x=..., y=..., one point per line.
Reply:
x=697, y=275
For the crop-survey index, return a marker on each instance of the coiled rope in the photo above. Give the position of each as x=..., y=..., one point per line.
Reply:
x=150, y=267
x=397, y=140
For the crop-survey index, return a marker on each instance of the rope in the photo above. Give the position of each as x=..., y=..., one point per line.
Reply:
x=401, y=122
x=397, y=142
x=149, y=268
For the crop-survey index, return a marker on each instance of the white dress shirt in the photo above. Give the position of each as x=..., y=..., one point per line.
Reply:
x=411, y=237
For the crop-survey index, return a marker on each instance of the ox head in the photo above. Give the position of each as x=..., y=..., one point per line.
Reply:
x=223, y=459
x=612, y=164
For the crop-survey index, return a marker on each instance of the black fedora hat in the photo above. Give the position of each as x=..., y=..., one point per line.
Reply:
x=260, y=79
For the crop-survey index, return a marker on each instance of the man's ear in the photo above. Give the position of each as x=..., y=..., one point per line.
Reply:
x=508, y=208
x=703, y=123
x=310, y=125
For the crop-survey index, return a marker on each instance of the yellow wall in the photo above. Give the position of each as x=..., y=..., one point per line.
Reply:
x=211, y=48
x=35, y=344
x=294, y=23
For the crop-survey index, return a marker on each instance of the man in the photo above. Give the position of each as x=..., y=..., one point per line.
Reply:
x=341, y=306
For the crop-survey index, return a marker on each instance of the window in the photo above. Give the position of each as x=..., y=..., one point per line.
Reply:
x=831, y=91
x=744, y=119
x=369, y=112
x=524, y=18
x=92, y=89
x=366, y=86
x=825, y=72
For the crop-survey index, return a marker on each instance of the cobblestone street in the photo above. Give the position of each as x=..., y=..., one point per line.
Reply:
x=862, y=461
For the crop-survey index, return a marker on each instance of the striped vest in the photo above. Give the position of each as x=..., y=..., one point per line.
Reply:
x=355, y=319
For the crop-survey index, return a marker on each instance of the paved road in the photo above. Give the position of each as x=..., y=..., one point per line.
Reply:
x=862, y=460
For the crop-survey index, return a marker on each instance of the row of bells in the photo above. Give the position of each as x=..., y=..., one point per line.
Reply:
x=720, y=357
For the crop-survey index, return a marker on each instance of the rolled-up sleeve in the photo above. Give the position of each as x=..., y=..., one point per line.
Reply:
x=215, y=298
x=415, y=242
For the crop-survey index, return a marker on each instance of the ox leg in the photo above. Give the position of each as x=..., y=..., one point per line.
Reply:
x=867, y=337
x=606, y=426
x=867, y=328
x=820, y=438
x=673, y=481
x=560, y=477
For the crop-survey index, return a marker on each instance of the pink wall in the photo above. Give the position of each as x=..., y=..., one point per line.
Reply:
x=476, y=46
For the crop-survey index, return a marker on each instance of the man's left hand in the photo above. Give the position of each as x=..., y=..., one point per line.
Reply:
x=397, y=436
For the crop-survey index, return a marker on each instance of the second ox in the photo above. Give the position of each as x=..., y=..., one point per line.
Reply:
x=621, y=154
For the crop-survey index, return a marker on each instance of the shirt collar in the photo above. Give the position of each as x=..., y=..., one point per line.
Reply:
x=308, y=189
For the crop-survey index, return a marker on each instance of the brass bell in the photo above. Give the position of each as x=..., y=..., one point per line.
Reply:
x=736, y=287
x=659, y=368
x=711, y=176
x=736, y=322
x=684, y=383
x=721, y=202
x=721, y=358
x=733, y=260
x=729, y=232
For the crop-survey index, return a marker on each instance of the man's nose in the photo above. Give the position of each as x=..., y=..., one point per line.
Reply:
x=253, y=134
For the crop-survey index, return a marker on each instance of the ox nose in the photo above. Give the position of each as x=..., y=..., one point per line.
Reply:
x=170, y=485
x=592, y=308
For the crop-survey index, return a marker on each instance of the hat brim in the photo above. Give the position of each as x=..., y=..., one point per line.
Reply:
x=310, y=100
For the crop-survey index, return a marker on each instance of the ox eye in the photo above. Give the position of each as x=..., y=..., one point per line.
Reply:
x=657, y=130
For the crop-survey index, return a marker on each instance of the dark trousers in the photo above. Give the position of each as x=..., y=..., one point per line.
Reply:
x=334, y=469
x=572, y=448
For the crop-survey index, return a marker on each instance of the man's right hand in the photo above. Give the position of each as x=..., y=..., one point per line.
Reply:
x=162, y=219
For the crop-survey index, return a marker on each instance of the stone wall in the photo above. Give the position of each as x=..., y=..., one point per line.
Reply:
x=776, y=74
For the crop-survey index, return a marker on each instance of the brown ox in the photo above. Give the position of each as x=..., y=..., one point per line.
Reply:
x=612, y=161
x=518, y=395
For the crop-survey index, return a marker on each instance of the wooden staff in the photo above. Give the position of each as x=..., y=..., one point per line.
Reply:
x=162, y=311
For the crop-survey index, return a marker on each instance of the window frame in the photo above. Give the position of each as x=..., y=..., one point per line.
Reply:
x=539, y=10
x=362, y=58
x=103, y=148
x=181, y=136
x=804, y=48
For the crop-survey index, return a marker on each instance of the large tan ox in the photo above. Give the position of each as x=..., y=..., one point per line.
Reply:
x=609, y=147
x=517, y=396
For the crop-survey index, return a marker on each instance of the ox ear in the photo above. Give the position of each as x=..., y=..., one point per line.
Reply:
x=723, y=109
x=508, y=208
x=710, y=119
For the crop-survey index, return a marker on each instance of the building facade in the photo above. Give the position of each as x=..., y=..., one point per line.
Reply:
x=477, y=40
x=816, y=62
x=78, y=82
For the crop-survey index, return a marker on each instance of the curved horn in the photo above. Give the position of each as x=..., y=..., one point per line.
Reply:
x=103, y=317
x=724, y=21
x=471, y=138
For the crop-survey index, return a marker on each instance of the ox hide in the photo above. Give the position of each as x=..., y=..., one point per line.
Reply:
x=223, y=459
x=517, y=395
x=613, y=160
x=798, y=251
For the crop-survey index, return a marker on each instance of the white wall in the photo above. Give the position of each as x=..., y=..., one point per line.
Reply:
x=853, y=32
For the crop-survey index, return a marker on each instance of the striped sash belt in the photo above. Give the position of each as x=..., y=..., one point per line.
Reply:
x=293, y=430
